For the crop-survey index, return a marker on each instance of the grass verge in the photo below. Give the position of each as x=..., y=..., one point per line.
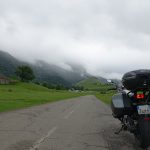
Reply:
x=22, y=95
x=106, y=97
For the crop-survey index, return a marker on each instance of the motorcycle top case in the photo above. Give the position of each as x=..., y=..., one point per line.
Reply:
x=137, y=79
x=121, y=105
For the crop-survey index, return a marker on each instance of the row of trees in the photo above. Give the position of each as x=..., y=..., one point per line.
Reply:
x=25, y=73
x=53, y=86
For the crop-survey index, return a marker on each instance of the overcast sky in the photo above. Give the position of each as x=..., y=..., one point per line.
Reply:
x=107, y=37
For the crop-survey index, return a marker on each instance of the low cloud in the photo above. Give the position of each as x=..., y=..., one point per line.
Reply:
x=106, y=37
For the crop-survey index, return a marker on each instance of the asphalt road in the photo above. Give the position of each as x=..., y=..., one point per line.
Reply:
x=83, y=123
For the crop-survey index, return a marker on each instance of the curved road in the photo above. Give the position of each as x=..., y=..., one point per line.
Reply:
x=83, y=123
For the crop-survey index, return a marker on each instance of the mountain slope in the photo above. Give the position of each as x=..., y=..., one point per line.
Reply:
x=51, y=74
x=7, y=64
x=55, y=74
x=43, y=71
x=94, y=84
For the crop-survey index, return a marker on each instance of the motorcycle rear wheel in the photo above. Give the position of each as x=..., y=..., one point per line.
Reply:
x=143, y=133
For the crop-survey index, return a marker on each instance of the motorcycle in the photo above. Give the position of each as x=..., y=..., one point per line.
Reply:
x=132, y=106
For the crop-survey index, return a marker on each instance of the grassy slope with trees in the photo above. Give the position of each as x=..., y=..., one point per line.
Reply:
x=23, y=95
x=103, y=92
x=94, y=84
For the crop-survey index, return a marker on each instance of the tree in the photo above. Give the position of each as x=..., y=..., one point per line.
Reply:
x=25, y=73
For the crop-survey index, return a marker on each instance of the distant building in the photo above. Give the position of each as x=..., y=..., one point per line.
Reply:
x=4, y=80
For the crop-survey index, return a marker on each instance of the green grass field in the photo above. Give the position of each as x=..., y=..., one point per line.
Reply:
x=106, y=98
x=23, y=95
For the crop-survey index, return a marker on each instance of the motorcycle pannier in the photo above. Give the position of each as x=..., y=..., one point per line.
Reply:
x=138, y=79
x=121, y=105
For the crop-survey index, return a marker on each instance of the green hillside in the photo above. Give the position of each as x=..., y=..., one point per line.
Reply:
x=94, y=84
x=23, y=95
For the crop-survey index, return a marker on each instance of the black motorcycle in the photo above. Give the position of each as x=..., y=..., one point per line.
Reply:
x=132, y=106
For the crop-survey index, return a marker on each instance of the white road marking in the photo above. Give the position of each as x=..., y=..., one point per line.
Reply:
x=37, y=144
x=69, y=114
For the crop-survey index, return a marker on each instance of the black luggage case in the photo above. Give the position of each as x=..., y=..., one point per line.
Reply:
x=138, y=79
x=121, y=105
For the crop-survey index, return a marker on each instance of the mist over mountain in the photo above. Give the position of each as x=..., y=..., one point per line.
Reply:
x=44, y=72
x=57, y=75
x=48, y=73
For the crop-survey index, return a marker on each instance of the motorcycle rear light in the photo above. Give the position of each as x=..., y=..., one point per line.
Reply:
x=147, y=118
x=140, y=96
